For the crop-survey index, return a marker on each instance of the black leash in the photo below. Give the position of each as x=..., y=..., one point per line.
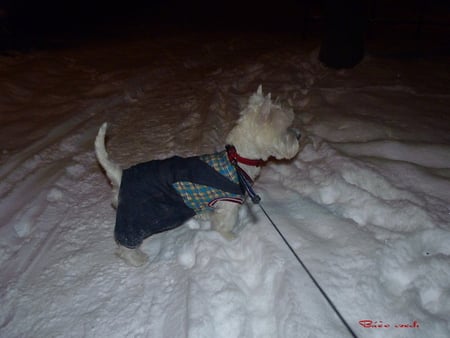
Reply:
x=246, y=184
x=310, y=275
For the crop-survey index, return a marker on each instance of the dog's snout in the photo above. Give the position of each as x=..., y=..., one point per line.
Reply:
x=297, y=133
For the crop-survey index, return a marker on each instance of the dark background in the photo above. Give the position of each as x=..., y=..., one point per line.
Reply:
x=74, y=17
x=40, y=24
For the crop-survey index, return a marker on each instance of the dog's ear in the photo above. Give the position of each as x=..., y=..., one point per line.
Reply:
x=264, y=114
x=259, y=90
x=256, y=98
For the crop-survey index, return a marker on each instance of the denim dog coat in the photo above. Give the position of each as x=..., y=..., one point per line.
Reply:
x=163, y=194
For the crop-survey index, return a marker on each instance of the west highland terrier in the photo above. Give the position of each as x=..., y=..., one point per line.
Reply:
x=160, y=195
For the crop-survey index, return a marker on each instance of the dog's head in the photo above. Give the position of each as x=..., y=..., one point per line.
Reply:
x=264, y=129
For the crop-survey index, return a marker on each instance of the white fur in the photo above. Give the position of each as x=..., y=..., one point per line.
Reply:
x=113, y=171
x=262, y=131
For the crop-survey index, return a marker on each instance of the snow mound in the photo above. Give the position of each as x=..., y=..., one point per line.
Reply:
x=356, y=190
x=417, y=268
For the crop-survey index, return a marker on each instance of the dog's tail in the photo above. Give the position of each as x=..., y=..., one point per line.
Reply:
x=113, y=170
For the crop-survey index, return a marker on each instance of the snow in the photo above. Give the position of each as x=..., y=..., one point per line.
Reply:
x=366, y=204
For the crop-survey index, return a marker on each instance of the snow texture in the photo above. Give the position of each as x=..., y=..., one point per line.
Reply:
x=366, y=203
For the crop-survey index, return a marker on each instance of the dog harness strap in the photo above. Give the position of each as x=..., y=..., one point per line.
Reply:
x=245, y=180
x=246, y=183
x=235, y=158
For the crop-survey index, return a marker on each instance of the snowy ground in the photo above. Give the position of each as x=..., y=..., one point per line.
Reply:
x=366, y=204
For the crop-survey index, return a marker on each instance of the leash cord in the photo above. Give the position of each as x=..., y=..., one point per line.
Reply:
x=246, y=184
x=309, y=274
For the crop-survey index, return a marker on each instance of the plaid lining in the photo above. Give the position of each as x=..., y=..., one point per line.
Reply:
x=200, y=197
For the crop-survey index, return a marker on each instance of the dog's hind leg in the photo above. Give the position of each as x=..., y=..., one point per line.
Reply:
x=135, y=257
x=113, y=170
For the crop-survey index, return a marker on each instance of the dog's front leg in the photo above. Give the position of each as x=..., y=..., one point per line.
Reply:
x=224, y=218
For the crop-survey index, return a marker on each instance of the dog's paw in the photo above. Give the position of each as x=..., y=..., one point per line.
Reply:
x=204, y=216
x=228, y=235
x=133, y=257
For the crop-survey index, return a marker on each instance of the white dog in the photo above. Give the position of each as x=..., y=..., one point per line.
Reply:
x=162, y=194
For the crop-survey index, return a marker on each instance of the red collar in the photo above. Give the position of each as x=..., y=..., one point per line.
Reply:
x=235, y=158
